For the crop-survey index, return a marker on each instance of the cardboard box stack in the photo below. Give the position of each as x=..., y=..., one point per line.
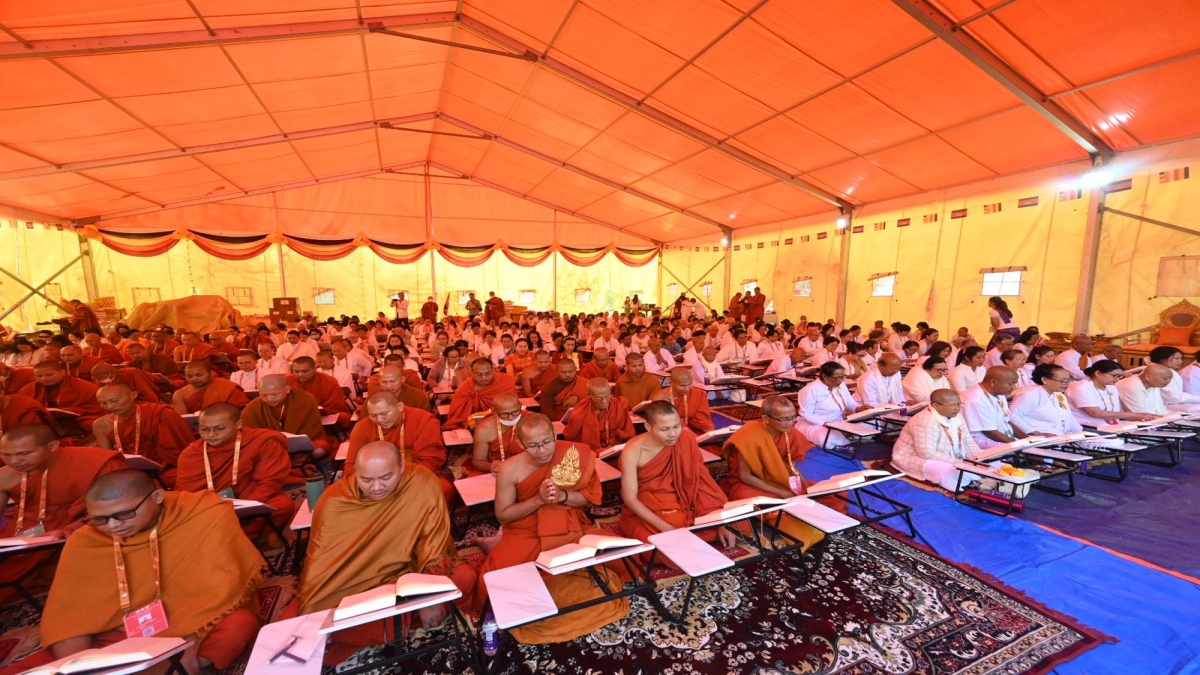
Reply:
x=285, y=310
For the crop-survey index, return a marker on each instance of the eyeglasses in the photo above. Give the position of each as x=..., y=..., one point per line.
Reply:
x=509, y=415
x=98, y=521
x=786, y=421
x=835, y=378
x=1064, y=382
x=543, y=444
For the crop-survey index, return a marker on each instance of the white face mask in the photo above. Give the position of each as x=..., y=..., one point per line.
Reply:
x=508, y=423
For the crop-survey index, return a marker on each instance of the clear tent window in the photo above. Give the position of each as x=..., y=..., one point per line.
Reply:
x=802, y=288
x=1001, y=283
x=883, y=287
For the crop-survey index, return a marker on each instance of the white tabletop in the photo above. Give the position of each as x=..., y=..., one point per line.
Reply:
x=343, y=451
x=142, y=665
x=477, y=489
x=607, y=471
x=275, y=636
x=819, y=516
x=519, y=595
x=598, y=559
x=987, y=472
x=1051, y=453
x=331, y=626
x=303, y=518
x=878, y=479
x=690, y=553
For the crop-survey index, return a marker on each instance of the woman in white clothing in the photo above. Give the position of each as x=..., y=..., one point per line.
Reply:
x=852, y=361
x=1044, y=409
x=925, y=379
x=933, y=441
x=448, y=371
x=969, y=370
x=1173, y=394
x=1014, y=360
x=941, y=350
x=825, y=399
x=827, y=353
x=1095, y=401
x=1191, y=376
x=1037, y=357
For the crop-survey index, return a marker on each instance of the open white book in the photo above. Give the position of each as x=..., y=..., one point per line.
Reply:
x=872, y=413
x=1073, y=437
x=845, y=480
x=382, y=597
x=131, y=650
x=610, y=452
x=10, y=543
x=729, y=379
x=457, y=437
x=917, y=407
x=141, y=463
x=738, y=508
x=589, y=546
x=640, y=406
x=717, y=434
x=62, y=415
x=1003, y=449
x=298, y=443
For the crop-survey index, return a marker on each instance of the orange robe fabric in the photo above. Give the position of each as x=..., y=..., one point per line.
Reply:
x=328, y=393
x=142, y=385
x=297, y=415
x=409, y=396
x=84, y=319
x=72, y=394
x=429, y=311
x=360, y=543
x=263, y=468
x=418, y=435
x=469, y=399
x=163, y=435
x=643, y=389
x=17, y=379
x=200, y=352
x=553, y=398
x=590, y=371
x=71, y=473
x=600, y=430
x=694, y=410
x=493, y=310
x=217, y=391
x=83, y=369
x=212, y=597
x=507, y=438
x=20, y=410
x=538, y=382
x=755, y=307
x=768, y=461
x=107, y=353
x=547, y=528
x=677, y=487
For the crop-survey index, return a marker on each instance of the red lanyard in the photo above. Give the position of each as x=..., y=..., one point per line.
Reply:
x=237, y=453
x=787, y=449
x=41, y=500
x=137, y=431
x=123, y=580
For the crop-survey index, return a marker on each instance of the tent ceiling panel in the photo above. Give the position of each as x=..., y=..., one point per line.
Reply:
x=1147, y=105
x=708, y=104
x=786, y=142
x=570, y=189
x=613, y=54
x=68, y=195
x=128, y=74
x=203, y=117
x=671, y=227
x=692, y=187
x=232, y=13
x=617, y=152
x=84, y=18
x=861, y=180
x=718, y=167
x=534, y=23
x=37, y=83
x=930, y=163
x=682, y=27
x=855, y=120
x=653, y=137
x=623, y=209
x=256, y=167
x=72, y=131
x=545, y=131
x=14, y=160
x=372, y=9
x=1014, y=141
x=570, y=100
x=796, y=203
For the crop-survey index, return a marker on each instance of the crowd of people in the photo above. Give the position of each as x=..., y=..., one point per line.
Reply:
x=76, y=405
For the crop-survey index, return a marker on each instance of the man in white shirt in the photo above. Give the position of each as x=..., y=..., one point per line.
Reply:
x=934, y=440
x=269, y=363
x=353, y=360
x=985, y=408
x=489, y=348
x=326, y=364
x=695, y=349
x=870, y=353
x=881, y=385
x=1078, y=357
x=297, y=345
x=544, y=326
x=1143, y=392
x=401, y=305
x=606, y=340
x=1111, y=353
x=812, y=342
x=740, y=350
x=247, y=374
x=657, y=359
x=1003, y=342
x=895, y=341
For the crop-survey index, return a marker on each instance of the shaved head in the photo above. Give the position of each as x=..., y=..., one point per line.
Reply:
x=273, y=381
x=598, y=386
x=657, y=410
x=777, y=406
x=122, y=483
x=38, y=434
x=944, y=397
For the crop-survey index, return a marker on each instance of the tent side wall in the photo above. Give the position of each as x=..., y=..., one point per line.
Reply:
x=34, y=253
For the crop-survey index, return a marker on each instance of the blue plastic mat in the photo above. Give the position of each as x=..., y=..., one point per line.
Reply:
x=1152, y=614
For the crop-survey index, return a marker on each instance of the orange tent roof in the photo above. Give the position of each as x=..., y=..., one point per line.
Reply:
x=660, y=121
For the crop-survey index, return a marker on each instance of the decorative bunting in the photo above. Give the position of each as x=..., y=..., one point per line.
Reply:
x=958, y=213
x=787, y=242
x=1070, y=195
x=857, y=229
x=1171, y=175
x=880, y=226
x=929, y=218
x=822, y=235
x=1027, y=202
x=1118, y=186
x=992, y=208
x=904, y=222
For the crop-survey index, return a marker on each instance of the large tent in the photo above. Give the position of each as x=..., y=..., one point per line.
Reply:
x=568, y=153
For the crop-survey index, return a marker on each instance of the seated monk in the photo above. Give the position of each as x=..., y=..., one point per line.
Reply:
x=281, y=408
x=324, y=389
x=13, y=380
x=152, y=364
x=762, y=458
x=495, y=437
x=477, y=394
x=16, y=410
x=601, y=366
x=411, y=378
x=391, y=379
x=236, y=462
x=664, y=482
x=601, y=420
x=414, y=431
x=537, y=376
x=142, y=385
x=191, y=348
x=209, y=598
x=76, y=364
x=97, y=347
x=691, y=403
x=204, y=389
x=152, y=430
x=53, y=388
x=541, y=499
x=47, y=483
x=370, y=528
x=564, y=392
x=635, y=385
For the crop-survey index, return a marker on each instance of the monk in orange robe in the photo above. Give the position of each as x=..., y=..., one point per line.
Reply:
x=82, y=318
x=564, y=392
x=601, y=366
x=324, y=388
x=142, y=385
x=541, y=497
x=152, y=430
x=281, y=408
x=210, y=598
x=15, y=379
x=47, y=483
x=601, y=420
x=153, y=364
x=414, y=431
x=53, y=388
x=16, y=410
x=163, y=344
x=76, y=363
x=495, y=438
x=97, y=347
x=477, y=394
x=410, y=377
x=191, y=348
x=204, y=389
x=259, y=455
x=762, y=458
x=635, y=385
x=664, y=483
x=429, y=310
x=691, y=403
x=537, y=376
x=368, y=529
x=392, y=380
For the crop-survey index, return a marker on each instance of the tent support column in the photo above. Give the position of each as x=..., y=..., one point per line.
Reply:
x=660, y=279
x=37, y=291
x=89, y=269
x=728, y=262
x=429, y=233
x=844, y=267
x=1091, y=255
x=282, y=274
x=554, y=272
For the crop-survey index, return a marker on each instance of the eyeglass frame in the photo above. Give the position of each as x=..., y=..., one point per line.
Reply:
x=129, y=514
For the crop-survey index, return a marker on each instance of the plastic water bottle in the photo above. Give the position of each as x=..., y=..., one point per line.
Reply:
x=706, y=380
x=491, y=635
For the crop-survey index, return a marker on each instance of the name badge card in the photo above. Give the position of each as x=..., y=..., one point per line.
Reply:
x=146, y=621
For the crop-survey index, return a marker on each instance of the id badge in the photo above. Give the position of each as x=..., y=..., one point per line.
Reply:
x=227, y=493
x=146, y=621
x=34, y=531
x=797, y=484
